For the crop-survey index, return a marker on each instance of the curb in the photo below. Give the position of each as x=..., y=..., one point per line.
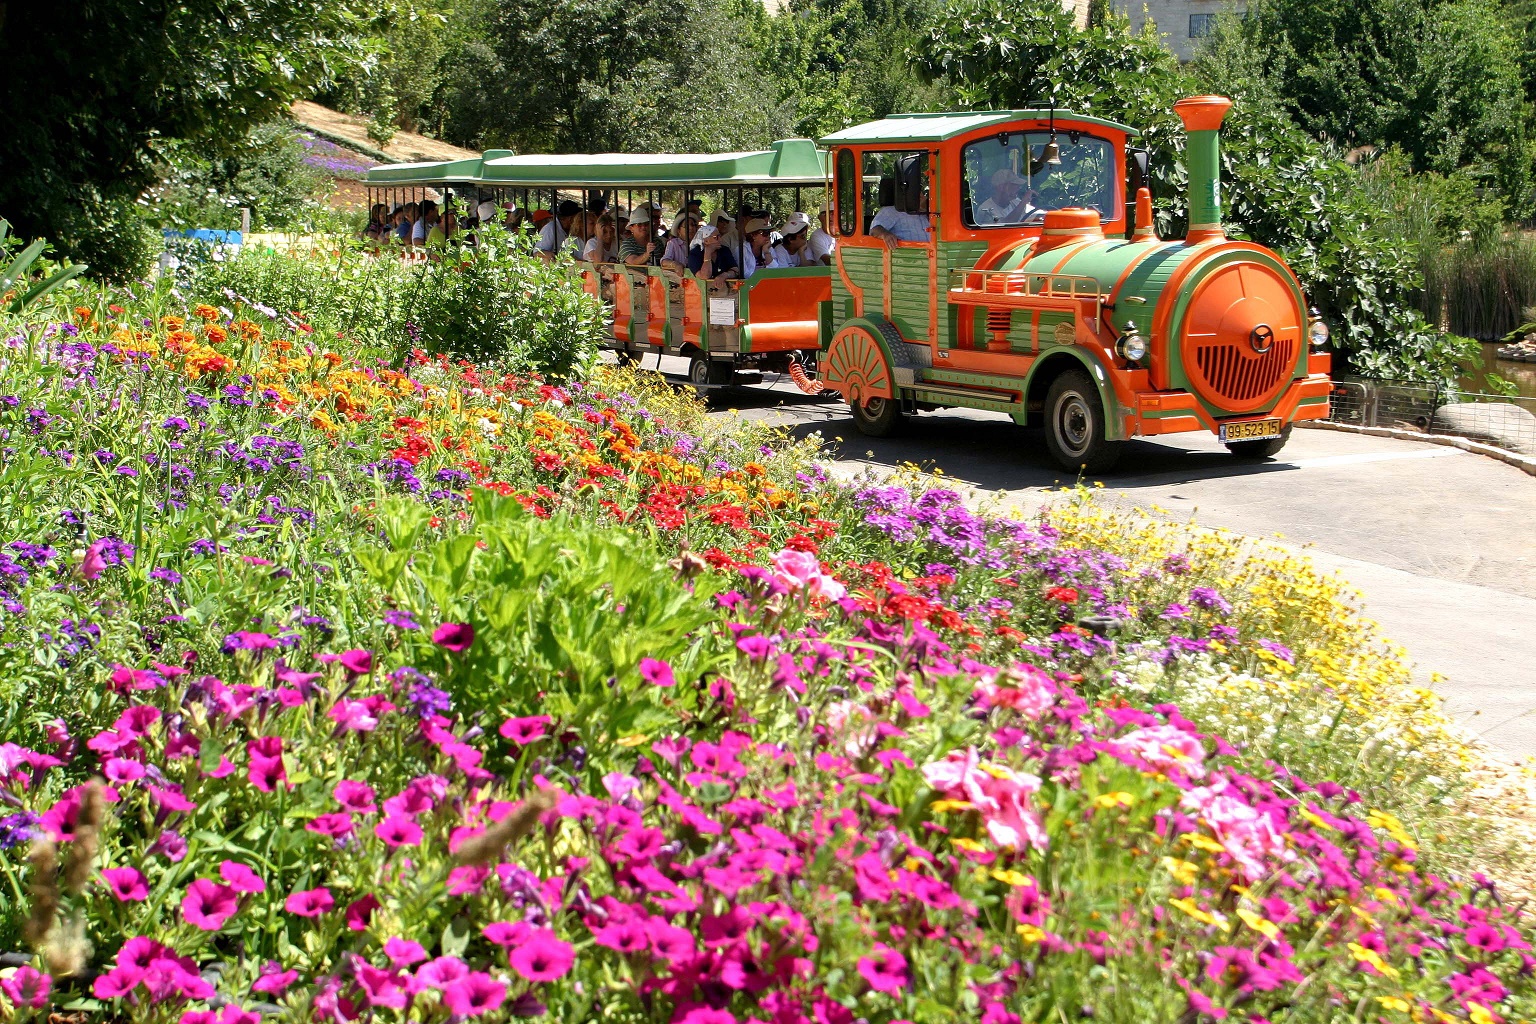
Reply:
x=1521, y=462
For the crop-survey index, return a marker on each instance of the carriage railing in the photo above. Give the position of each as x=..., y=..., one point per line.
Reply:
x=1015, y=282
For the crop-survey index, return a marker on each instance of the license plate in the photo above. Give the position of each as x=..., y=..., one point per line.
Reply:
x=1248, y=430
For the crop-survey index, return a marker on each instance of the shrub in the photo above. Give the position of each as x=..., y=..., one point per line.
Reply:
x=500, y=301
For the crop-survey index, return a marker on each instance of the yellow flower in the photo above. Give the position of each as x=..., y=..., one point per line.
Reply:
x=1315, y=820
x=632, y=741
x=996, y=772
x=969, y=845
x=945, y=806
x=1394, y=1003
x=1182, y=871
x=1114, y=800
x=1029, y=933
x=1373, y=959
x=1192, y=908
x=1013, y=878
x=1262, y=925
x=1203, y=842
x=1478, y=1014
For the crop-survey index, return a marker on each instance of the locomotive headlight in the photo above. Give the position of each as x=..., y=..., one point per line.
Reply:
x=1131, y=346
x=1317, y=329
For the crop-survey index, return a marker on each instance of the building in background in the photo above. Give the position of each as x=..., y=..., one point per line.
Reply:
x=1179, y=23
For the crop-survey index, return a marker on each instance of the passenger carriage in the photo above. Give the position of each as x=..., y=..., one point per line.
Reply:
x=1026, y=283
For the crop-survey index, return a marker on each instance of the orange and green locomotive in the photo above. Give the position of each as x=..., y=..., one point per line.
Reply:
x=1013, y=276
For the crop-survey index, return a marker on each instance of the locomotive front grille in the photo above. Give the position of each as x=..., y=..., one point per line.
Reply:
x=1234, y=375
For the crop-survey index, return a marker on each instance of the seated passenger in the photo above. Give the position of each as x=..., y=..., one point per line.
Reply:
x=758, y=254
x=405, y=223
x=446, y=228
x=429, y=216
x=583, y=227
x=726, y=225
x=821, y=244
x=1007, y=205
x=794, y=249
x=639, y=248
x=378, y=222
x=599, y=248
x=892, y=225
x=557, y=229
x=708, y=258
x=675, y=257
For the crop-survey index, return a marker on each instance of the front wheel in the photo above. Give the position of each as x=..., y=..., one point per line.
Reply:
x=704, y=370
x=1265, y=449
x=1074, y=425
x=875, y=417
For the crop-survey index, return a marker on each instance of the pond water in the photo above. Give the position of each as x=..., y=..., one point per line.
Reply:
x=1522, y=375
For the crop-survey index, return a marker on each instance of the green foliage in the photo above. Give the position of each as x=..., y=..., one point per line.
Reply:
x=267, y=175
x=87, y=91
x=1439, y=78
x=499, y=300
x=28, y=277
x=562, y=613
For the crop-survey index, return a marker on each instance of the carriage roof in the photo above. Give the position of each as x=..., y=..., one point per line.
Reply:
x=948, y=124
x=787, y=162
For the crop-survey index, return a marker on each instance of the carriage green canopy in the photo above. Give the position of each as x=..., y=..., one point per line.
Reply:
x=787, y=162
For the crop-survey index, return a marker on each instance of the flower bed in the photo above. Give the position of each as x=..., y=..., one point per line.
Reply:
x=334, y=690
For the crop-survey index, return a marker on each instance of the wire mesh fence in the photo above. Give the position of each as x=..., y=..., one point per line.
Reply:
x=1499, y=420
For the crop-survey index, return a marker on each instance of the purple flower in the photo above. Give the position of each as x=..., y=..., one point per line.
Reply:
x=399, y=619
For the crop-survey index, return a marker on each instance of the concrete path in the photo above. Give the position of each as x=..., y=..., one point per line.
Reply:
x=1441, y=543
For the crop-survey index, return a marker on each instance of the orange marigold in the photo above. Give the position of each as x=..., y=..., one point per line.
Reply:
x=206, y=312
x=172, y=323
x=215, y=334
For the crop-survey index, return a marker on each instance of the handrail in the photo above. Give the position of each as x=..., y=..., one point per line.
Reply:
x=1015, y=282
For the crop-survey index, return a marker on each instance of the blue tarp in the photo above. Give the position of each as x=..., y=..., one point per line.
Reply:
x=206, y=235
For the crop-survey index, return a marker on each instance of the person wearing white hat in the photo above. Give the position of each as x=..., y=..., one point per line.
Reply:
x=683, y=228
x=792, y=250
x=639, y=247
x=1006, y=205
x=726, y=225
x=708, y=258
x=485, y=212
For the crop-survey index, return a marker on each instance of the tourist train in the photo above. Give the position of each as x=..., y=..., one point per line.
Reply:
x=985, y=259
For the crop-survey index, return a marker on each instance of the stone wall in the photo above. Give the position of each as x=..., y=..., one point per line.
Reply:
x=1174, y=19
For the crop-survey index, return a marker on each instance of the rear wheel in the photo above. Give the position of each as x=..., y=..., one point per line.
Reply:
x=876, y=417
x=1265, y=449
x=704, y=370
x=1074, y=425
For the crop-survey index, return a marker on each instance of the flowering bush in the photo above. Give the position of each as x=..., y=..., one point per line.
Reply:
x=442, y=693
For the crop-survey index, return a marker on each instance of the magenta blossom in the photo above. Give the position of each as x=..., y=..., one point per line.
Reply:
x=524, y=731
x=357, y=662
x=397, y=830
x=208, y=904
x=273, y=980
x=404, y=952
x=454, y=636
x=241, y=878
x=885, y=970
x=543, y=957
x=442, y=972
x=474, y=994
x=126, y=883
x=657, y=673
x=27, y=987
x=355, y=797
x=310, y=902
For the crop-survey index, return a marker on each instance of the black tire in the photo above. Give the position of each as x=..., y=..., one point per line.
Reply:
x=876, y=417
x=1074, y=426
x=704, y=370
x=1265, y=449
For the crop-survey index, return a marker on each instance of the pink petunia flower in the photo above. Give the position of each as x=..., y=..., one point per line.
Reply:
x=885, y=970
x=27, y=987
x=94, y=563
x=703, y=1015
x=404, y=952
x=473, y=995
x=126, y=883
x=241, y=878
x=381, y=988
x=398, y=831
x=507, y=933
x=357, y=662
x=335, y=825
x=266, y=771
x=442, y=972
x=360, y=912
x=310, y=902
x=354, y=716
x=524, y=731
x=355, y=797
x=117, y=982
x=208, y=904
x=657, y=673
x=543, y=957
x=120, y=771
x=273, y=980
x=454, y=636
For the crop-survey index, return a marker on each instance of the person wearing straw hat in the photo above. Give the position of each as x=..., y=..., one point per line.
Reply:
x=675, y=257
x=758, y=253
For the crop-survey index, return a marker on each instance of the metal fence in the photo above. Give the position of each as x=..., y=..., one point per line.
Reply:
x=1498, y=420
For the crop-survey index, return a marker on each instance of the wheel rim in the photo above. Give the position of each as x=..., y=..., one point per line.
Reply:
x=873, y=408
x=1074, y=424
x=700, y=372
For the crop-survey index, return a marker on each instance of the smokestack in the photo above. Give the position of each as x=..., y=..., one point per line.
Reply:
x=1202, y=116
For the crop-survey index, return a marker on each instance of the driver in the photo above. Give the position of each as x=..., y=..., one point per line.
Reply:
x=1007, y=205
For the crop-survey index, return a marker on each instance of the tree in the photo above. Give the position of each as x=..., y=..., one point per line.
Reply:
x=88, y=89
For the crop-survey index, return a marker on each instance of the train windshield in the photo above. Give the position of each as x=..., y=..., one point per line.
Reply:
x=1010, y=180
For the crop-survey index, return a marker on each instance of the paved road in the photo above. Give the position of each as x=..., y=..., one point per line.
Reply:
x=1441, y=543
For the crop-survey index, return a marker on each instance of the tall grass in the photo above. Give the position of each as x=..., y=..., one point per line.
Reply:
x=1479, y=290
